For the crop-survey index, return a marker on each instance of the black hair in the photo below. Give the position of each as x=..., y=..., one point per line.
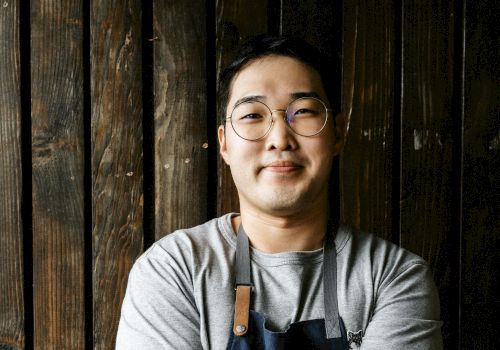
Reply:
x=265, y=45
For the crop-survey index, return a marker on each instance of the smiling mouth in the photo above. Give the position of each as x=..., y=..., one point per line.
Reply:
x=282, y=167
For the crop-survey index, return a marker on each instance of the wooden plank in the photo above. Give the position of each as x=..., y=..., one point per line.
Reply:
x=480, y=304
x=317, y=22
x=11, y=256
x=427, y=146
x=180, y=117
x=236, y=20
x=58, y=168
x=367, y=102
x=117, y=175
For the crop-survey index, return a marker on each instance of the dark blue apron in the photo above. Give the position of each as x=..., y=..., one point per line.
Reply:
x=249, y=331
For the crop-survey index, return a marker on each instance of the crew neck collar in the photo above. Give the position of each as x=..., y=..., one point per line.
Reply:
x=277, y=259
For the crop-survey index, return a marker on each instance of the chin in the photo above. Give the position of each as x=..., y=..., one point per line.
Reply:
x=285, y=202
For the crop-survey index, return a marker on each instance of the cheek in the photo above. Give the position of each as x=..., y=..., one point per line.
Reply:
x=242, y=154
x=321, y=148
x=322, y=155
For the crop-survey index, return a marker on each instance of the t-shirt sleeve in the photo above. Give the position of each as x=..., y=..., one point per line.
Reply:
x=159, y=310
x=406, y=314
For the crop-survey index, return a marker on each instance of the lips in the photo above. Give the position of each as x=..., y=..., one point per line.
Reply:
x=282, y=166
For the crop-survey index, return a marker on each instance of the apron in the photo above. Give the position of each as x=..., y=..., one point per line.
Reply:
x=249, y=331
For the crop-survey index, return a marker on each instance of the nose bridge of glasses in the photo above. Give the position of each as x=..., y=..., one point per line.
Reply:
x=285, y=118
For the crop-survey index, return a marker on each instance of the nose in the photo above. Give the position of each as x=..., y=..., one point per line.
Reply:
x=280, y=137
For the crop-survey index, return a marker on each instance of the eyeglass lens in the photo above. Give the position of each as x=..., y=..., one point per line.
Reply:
x=252, y=120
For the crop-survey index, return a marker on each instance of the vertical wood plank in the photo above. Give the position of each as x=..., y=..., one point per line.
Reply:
x=427, y=145
x=480, y=302
x=117, y=175
x=58, y=167
x=180, y=124
x=11, y=256
x=367, y=102
x=317, y=22
x=236, y=20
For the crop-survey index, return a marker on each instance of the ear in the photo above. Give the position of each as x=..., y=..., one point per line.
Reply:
x=221, y=134
x=340, y=129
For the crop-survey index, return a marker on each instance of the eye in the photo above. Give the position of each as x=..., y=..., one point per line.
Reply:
x=250, y=112
x=251, y=116
x=304, y=112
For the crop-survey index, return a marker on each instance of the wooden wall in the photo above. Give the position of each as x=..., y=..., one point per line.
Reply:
x=108, y=142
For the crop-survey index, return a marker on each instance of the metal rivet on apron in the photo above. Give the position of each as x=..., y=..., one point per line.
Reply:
x=241, y=328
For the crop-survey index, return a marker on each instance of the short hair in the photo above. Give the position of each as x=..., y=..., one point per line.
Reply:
x=265, y=45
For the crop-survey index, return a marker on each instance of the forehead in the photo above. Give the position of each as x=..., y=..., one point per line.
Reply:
x=275, y=78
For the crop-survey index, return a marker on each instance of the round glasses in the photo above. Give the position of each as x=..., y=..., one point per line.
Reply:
x=252, y=120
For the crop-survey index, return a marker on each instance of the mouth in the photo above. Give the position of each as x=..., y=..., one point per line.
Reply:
x=282, y=166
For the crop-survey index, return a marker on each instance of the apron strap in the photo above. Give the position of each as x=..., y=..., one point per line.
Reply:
x=241, y=310
x=243, y=285
x=242, y=259
x=332, y=326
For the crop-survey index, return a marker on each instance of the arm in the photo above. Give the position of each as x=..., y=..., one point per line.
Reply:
x=159, y=311
x=406, y=313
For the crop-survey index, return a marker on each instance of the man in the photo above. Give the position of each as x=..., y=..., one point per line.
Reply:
x=280, y=274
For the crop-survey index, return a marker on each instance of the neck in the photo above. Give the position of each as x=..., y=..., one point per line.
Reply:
x=275, y=234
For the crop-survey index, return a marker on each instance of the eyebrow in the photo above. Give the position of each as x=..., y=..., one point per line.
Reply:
x=293, y=95
x=252, y=98
x=301, y=94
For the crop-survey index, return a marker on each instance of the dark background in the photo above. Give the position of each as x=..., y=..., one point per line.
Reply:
x=108, y=142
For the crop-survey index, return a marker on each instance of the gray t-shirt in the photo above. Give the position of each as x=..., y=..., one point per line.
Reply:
x=180, y=292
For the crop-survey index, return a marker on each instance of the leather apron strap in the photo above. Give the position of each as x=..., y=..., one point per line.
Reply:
x=244, y=284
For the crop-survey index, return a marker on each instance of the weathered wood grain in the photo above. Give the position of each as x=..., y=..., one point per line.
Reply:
x=367, y=102
x=117, y=161
x=57, y=175
x=480, y=302
x=180, y=115
x=427, y=145
x=11, y=257
x=236, y=20
x=317, y=22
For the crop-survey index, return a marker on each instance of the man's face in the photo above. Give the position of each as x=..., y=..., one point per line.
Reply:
x=282, y=173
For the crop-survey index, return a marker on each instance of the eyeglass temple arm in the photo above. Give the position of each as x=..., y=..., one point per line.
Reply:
x=333, y=117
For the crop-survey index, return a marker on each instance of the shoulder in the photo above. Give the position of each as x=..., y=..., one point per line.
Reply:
x=382, y=258
x=181, y=253
x=189, y=242
x=384, y=267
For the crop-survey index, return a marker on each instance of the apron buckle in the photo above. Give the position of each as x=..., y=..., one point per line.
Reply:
x=241, y=309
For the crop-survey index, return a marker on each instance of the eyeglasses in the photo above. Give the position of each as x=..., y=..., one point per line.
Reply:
x=252, y=120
